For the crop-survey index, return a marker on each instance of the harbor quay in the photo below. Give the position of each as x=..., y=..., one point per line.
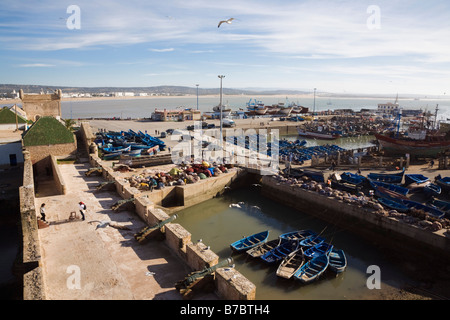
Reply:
x=89, y=259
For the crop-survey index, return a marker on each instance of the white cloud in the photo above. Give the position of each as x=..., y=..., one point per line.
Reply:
x=162, y=50
x=36, y=65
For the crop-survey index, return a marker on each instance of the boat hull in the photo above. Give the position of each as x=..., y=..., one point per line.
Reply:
x=317, y=135
x=250, y=241
x=415, y=148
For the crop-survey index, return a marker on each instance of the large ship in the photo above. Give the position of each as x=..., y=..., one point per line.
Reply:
x=256, y=107
x=417, y=141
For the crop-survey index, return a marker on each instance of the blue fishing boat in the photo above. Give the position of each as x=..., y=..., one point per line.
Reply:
x=291, y=264
x=298, y=235
x=442, y=205
x=263, y=248
x=337, y=260
x=386, y=177
x=393, y=187
x=415, y=178
x=345, y=186
x=311, y=241
x=419, y=206
x=319, y=249
x=112, y=156
x=352, y=178
x=381, y=192
x=314, y=175
x=116, y=149
x=392, y=204
x=312, y=270
x=135, y=153
x=278, y=253
x=432, y=190
x=250, y=241
x=444, y=183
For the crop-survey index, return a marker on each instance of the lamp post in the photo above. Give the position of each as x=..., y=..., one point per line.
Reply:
x=197, y=95
x=314, y=110
x=220, y=106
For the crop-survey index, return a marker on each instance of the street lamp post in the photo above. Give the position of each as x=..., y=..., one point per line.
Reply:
x=314, y=110
x=220, y=106
x=197, y=95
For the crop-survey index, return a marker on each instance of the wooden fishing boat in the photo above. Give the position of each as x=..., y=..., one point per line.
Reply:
x=392, y=204
x=345, y=186
x=386, y=177
x=432, y=189
x=442, y=205
x=381, y=192
x=278, y=253
x=250, y=241
x=298, y=235
x=291, y=264
x=263, y=248
x=317, y=250
x=415, y=178
x=393, y=187
x=337, y=261
x=444, y=183
x=112, y=156
x=314, y=175
x=352, y=178
x=116, y=149
x=135, y=153
x=311, y=241
x=312, y=269
x=419, y=206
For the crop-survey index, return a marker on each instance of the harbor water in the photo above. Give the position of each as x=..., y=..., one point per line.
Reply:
x=218, y=225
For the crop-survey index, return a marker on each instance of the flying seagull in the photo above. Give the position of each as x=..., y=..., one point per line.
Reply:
x=225, y=21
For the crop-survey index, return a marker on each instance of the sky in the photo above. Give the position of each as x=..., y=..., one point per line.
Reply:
x=338, y=46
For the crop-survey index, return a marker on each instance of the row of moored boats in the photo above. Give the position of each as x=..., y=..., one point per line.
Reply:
x=303, y=254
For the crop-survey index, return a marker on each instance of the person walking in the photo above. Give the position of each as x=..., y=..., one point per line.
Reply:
x=82, y=209
x=42, y=211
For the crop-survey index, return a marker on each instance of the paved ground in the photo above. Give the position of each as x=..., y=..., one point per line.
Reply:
x=109, y=262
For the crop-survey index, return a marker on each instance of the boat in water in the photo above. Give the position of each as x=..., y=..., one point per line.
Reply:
x=319, y=134
x=249, y=242
x=416, y=141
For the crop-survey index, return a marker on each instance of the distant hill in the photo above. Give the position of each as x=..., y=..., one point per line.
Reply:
x=169, y=90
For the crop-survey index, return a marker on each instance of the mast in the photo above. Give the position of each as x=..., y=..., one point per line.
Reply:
x=435, y=116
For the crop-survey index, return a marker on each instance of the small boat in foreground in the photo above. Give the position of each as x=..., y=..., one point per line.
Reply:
x=394, y=205
x=311, y=241
x=278, y=253
x=419, y=206
x=250, y=241
x=290, y=264
x=415, y=178
x=387, y=177
x=444, y=183
x=311, y=270
x=319, y=249
x=112, y=156
x=393, y=187
x=432, y=189
x=442, y=205
x=381, y=192
x=116, y=149
x=263, y=248
x=297, y=235
x=337, y=260
x=352, y=178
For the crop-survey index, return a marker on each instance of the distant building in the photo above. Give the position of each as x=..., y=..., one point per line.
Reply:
x=176, y=115
x=41, y=105
x=389, y=108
